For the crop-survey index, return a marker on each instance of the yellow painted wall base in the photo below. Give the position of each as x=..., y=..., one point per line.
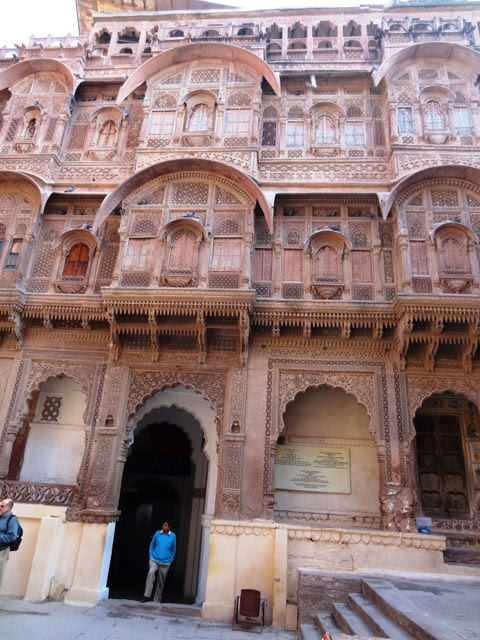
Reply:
x=268, y=555
x=58, y=560
x=62, y=560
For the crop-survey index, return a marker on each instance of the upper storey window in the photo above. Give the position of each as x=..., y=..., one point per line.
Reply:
x=76, y=262
x=201, y=118
x=462, y=119
x=237, y=121
x=405, y=120
x=107, y=134
x=324, y=131
x=326, y=263
x=295, y=128
x=161, y=122
x=434, y=116
x=354, y=133
x=13, y=256
x=295, y=134
x=183, y=251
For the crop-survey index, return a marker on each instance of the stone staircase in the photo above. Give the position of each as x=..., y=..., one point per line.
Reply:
x=385, y=609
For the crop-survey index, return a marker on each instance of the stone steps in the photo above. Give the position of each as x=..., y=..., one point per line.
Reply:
x=381, y=610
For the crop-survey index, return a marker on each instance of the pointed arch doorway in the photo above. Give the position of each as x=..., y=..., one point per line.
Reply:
x=166, y=477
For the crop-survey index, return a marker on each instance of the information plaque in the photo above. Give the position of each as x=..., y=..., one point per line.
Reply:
x=320, y=469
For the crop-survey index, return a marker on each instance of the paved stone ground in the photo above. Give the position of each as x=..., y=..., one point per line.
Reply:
x=115, y=620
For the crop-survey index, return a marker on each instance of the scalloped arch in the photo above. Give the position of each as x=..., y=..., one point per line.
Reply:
x=210, y=168
x=466, y=57
x=363, y=394
x=21, y=70
x=464, y=174
x=136, y=405
x=196, y=51
x=421, y=388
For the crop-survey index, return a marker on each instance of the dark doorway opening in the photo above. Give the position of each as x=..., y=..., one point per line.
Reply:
x=158, y=484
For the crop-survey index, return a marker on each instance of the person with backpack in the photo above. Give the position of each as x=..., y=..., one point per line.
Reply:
x=9, y=532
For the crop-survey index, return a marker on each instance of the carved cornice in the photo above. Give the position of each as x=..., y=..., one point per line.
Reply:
x=182, y=300
x=56, y=494
x=368, y=538
x=235, y=528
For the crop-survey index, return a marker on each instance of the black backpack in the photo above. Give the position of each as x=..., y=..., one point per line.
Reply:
x=18, y=540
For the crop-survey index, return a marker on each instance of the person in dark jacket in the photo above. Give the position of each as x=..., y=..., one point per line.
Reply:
x=8, y=532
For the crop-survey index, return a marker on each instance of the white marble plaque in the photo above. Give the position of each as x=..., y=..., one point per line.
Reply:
x=306, y=468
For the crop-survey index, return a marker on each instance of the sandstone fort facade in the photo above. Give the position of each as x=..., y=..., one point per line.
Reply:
x=240, y=289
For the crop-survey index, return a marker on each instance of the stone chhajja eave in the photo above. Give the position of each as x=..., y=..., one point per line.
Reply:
x=64, y=307
x=453, y=308
x=324, y=314
x=175, y=302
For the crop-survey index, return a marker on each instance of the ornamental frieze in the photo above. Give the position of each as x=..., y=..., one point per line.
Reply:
x=43, y=167
x=57, y=494
x=89, y=173
x=408, y=162
x=246, y=161
x=327, y=171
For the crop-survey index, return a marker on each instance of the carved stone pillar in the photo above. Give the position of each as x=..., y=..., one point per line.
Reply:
x=104, y=465
x=232, y=448
x=377, y=272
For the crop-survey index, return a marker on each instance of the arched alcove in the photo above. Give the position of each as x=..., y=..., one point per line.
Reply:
x=50, y=445
x=326, y=467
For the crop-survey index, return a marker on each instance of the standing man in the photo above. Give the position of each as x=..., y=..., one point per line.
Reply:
x=8, y=532
x=162, y=552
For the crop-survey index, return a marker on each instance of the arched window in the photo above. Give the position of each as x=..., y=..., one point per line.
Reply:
x=107, y=134
x=327, y=267
x=31, y=128
x=453, y=257
x=324, y=131
x=434, y=117
x=76, y=262
x=183, y=251
x=200, y=118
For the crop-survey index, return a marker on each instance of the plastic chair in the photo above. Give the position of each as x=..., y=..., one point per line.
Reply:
x=249, y=608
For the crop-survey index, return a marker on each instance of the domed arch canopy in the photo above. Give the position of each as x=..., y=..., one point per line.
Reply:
x=190, y=52
x=181, y=165
x=21, y=70
x=329, y=235
x=327, y=107
x=467, y=174
x=457, y=226
x=467, y=58
x=78, y=235
x=188, y=221
x=40, y=188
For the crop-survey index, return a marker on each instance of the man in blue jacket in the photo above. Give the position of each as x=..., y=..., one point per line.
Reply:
x=8, y=532
x=162, y=552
